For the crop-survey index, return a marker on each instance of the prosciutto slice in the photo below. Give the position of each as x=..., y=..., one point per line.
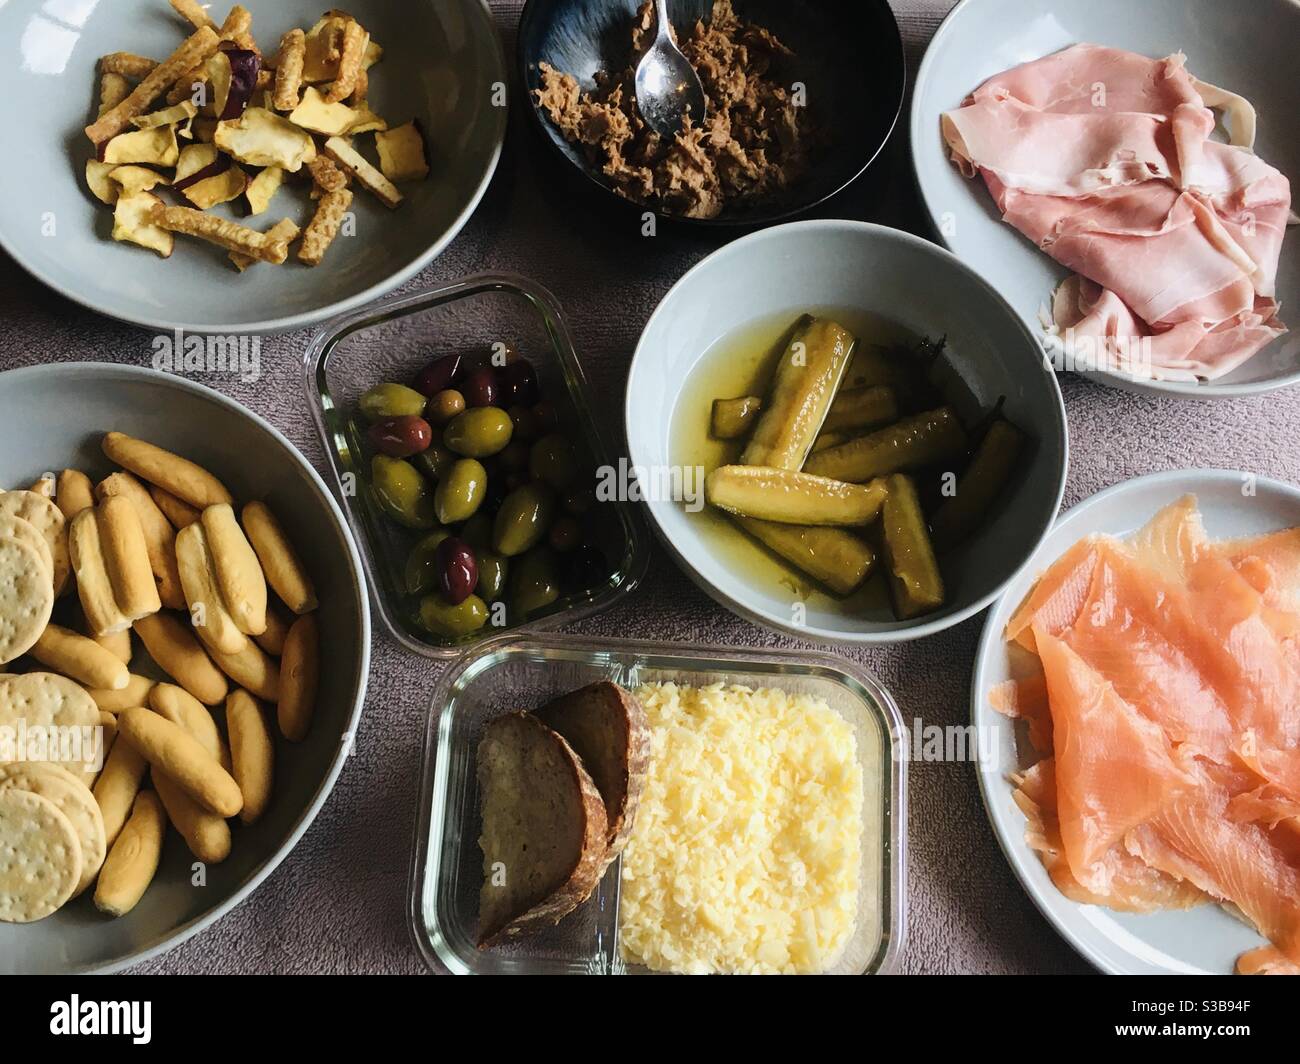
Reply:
x=1105, y=160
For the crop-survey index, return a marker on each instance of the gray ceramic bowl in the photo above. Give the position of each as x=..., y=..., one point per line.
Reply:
x=843, y=267
x=442, y=59
x=52, y=417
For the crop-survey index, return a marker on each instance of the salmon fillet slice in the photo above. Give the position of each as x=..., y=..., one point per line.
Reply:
x=1059, y=595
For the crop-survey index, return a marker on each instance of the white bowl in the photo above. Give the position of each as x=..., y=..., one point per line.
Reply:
x=52, y=417
x=442, y=59
x=851, y=266
x=1245, y=47
x=1204, y=940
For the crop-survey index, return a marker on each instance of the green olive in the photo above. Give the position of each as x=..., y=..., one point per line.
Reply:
x=391, y=400
x=434, y=461
x=523, y=519
x=403, y=494
x=440, y=618
x=553, y=460
x=492, y=571
x=461, y=491
x=421, y=569
x=479, y=432
x=477, y=533
x=534, y=583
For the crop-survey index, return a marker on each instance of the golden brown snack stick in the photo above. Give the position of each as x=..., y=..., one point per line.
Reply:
x=208, y=614
x=94, y=588
x=192, y=13
x=189, y=482
x=135, y=693
x=220, y=231
x=272, y=640
x=126, y=556
x=238, y=23
x=324, y=226
x=327, y=175
x=180, y=707
x=171, y=643
x=252, y=753
x=132, y=861
x=252, y=669
x=113, y=89
x=238, y=572
x=356, y=164
x=177, y=512
x=205, y=833
x=171, y=749
x=299, y=678
x=352, y=51
x=280, y=562
x=73, y=493
x=288, y=70
x=159, y=536
x=128, y=65
x=117, y=786
x=196, y=48
x=79, y=658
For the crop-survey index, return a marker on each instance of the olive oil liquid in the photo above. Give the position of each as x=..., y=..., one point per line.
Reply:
x=742, y=363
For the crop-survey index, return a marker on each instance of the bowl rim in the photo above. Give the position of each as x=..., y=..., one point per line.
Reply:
x=905, y=630
x=308, y=816
x=1111, y=379
x=291, y=322
x=529, y=16
x=1017, y=855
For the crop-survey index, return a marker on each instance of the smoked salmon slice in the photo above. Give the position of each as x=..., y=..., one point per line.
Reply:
x=1056, y=599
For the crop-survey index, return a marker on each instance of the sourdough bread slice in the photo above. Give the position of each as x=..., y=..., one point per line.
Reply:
x=543, y=838
x=607, y=726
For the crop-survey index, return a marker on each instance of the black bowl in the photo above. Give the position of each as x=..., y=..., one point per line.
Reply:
x=849, y=55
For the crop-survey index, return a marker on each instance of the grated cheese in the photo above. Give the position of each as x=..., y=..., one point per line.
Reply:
x=746, y=851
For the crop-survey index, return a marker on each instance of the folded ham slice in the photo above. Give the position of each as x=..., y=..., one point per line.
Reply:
x=1105, y=160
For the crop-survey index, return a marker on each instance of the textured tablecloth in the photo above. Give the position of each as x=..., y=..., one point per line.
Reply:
x=338, y=902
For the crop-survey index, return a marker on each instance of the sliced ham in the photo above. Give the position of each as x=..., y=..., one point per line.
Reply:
x=1105, y=160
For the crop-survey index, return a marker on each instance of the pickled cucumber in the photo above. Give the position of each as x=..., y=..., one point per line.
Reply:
x=914, y=577
x=732, y=418
x=807, y=378
x=979, y=485
x=913, y=443
x=829, y=439
x=861, y=408
x=792, y=498
x=838, y=560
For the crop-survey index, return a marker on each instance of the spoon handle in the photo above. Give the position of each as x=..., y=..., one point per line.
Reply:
x=665, y=31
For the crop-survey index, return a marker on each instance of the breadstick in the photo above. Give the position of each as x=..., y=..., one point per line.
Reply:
x=159, y=536
x=179, y=513
x=133, y=860
x=205, y=833
x=189, y=482
x=171, y=643
x=135, y=693
x=252, y=669
x=74, y=493
x=94, y=587
x=117, y=787
x=128, y=65
x=108, y=727
x=208, y=613
x=126, y=557
x=239, y=575
x=252, y=753
x=324, y=226
x=79, y=658
x=284, y=571
x=171, y=749
x=180, y=707
x=272, y=640
x=288, y=70
x=299, y=678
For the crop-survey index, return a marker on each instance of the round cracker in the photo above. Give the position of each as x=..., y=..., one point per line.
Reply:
x=74, y=800
x=46, y=699
x=12, y=527
x=26, y=598
x=40, y=857
x=46, y=517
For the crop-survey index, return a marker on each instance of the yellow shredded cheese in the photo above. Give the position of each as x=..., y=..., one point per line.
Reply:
x=746, y=852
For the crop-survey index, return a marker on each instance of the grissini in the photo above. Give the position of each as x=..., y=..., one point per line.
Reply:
x=189, y=482
x=252, y=669
x=299, y=679
x=80, y=659
x=95, y=589
x=133, y=859
x=208, y=613
x=280, y=562
x=172, y=645
x=73, y=493
x=159, y=535
x=171, y=749
x=117, y=786
x=181, y=707
x=238, y=572
x=252, y=753
x=126, y=557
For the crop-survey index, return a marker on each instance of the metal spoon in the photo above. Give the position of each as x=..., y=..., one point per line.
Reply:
x=667, y=87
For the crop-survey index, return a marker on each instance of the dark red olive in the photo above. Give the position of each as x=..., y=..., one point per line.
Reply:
x=480, y=387
x=401, y=437
x=457, y=569
x=437, y=375
x=519, y=383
